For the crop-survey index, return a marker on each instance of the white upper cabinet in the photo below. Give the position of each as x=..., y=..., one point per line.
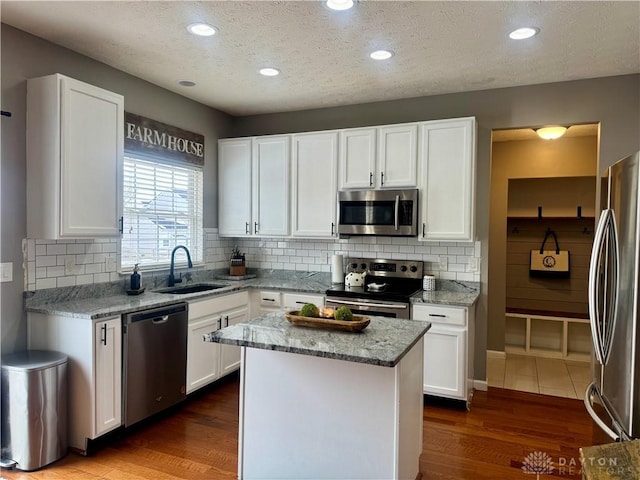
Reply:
x=75, y=150
x=271, y=185
x=253, y=186
x=447, y=150
x=397, y=155
x=357, y=158
x=314, y=184
x=379, y=157
x=234, y=187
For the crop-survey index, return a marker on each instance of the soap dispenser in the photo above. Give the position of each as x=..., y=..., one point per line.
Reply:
x=135, y=279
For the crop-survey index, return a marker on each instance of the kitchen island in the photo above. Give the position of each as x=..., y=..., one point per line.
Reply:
x=321, y=404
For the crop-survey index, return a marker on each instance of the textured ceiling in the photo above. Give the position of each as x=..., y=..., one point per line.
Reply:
x=441, y=47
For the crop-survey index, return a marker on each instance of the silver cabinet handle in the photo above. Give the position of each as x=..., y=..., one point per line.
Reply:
x=246, y=228
x=255, y=227
x=268, y=299
x=437, y=315
x=333, y=225
x=382, y=179
x=103, y=334
x=226, y=320
x=371, y=179
x=219, y=322
x=424, y=226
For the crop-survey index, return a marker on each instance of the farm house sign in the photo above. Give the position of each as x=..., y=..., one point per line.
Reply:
x=153, y=137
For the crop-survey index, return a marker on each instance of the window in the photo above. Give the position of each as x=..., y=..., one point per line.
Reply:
x=162, y=208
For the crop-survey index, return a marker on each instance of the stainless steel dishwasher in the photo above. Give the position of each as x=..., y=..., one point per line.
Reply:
x=155, y=360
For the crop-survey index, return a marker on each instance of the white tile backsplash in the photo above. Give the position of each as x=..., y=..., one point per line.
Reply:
x=94, y=261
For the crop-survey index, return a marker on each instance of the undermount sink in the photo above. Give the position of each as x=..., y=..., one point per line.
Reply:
x=190, y=289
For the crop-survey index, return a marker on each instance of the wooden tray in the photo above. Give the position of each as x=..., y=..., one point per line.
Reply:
x=356, y=325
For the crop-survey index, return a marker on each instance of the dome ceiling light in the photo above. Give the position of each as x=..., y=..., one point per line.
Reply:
x=552, y=132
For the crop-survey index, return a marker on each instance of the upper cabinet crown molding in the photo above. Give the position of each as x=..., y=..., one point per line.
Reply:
x=378, y=157
x=75, y=152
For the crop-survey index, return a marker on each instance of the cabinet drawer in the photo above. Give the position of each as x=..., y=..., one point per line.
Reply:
x=201, y=308
x=296, y=300
x=441, y=315
x=270, y=299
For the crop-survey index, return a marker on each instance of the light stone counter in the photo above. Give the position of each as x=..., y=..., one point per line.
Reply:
x=613, y=461
x=383, y=342
x=105, y=300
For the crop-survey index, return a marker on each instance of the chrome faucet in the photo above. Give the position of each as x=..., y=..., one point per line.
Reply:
x=172, y=279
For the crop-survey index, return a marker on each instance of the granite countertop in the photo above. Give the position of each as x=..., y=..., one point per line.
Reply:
x=110, y=299
x=383, y=342
x=613, y=461
x=450, y=292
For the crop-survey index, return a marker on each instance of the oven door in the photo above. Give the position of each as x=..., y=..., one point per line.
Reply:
x=361, y=306
x=378, y=212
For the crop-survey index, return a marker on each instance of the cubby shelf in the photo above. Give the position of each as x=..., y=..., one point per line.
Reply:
x=549, y=336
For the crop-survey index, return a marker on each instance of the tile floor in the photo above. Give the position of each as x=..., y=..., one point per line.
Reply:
x=549, y=376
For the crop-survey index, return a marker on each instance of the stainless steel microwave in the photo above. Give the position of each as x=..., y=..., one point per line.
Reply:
x=378, y=212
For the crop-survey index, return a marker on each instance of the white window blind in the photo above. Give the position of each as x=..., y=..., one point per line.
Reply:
x=162, y=208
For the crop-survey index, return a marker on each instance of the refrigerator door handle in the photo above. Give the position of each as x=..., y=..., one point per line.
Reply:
x=588, y=403
x=594, y=313
x=612, y=301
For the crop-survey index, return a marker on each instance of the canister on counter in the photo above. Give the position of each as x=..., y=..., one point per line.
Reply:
x=428, y=283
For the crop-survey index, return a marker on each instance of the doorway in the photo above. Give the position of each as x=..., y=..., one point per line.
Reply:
x=540, y=324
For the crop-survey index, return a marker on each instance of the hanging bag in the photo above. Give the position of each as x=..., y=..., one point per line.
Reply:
x=549, y=263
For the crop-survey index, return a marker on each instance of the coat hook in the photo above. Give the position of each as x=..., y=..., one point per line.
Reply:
x=586, y=231
x=515, y=231
x=5, y=113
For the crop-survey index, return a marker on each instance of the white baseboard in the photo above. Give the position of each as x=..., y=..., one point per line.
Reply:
x=480, y=385
x=496, y=354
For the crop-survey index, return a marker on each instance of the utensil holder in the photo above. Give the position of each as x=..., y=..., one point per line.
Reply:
x=428, y=283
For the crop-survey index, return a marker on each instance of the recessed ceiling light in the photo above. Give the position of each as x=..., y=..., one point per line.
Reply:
x=523, y=33
x=381, y=54
x=339, y=4
x=186, y=83
x=269, y=72
x=202, y=29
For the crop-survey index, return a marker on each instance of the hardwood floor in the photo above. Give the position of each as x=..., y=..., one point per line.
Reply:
x=199, y=440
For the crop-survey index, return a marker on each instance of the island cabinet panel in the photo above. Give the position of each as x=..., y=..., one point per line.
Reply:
x=314, y=184
x=94, y=350
x=329, y=418
x=75, y=152
x=446, y=178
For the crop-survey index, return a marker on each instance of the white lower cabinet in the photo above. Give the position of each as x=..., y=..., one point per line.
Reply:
x=207, y=361
x=94, y=350
x=448, y=350
x=266, y=301
x=297, y=300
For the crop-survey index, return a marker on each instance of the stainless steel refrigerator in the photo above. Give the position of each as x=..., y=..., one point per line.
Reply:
x=613, y=397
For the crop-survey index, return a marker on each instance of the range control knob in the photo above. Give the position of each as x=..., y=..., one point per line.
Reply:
x=363, y=266
x=413, y=268
x=354, y=265
x=403, y=268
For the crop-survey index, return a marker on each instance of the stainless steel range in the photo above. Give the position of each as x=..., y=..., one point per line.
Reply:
x=387, y=290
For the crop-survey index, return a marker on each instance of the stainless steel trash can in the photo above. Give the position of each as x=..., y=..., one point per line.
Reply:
x=34, y=409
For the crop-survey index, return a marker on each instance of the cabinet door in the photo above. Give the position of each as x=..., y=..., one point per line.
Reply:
x=230, y=354
x=271, y=186
x=357, y=158
x=445, y=360
x=397, y=155
x=447, y=179
x=108, y=375
x=92, y=149
x=314, y=179
x=234, y=187
x=203, y=358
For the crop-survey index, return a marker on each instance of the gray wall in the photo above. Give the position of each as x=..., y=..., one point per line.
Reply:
x=25, y=56
x=612, y=101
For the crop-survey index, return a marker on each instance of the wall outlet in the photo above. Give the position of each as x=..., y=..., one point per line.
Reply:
x=443, y=263
x=473, y=265
x=6, y=272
